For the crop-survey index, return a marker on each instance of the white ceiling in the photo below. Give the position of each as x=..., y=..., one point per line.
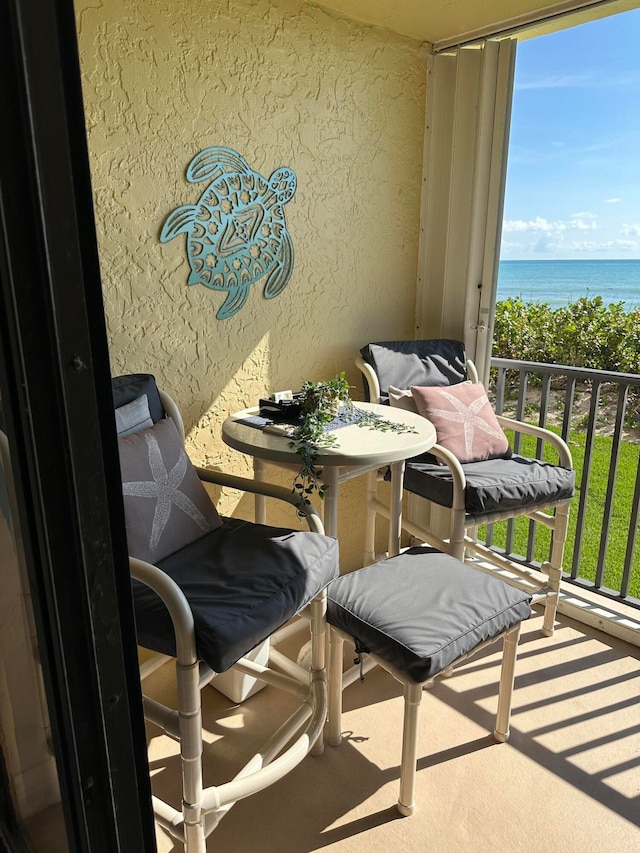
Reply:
x=449, y=22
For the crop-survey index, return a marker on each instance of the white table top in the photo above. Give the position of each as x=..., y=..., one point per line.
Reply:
x=355, y=445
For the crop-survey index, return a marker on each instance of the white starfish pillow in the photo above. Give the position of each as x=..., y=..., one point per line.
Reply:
x=166, y=506
x=464, y=420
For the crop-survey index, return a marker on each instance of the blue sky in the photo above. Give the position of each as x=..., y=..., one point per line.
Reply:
x=573, y=178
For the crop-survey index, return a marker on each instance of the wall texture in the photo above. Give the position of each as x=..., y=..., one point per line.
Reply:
x=283, y=83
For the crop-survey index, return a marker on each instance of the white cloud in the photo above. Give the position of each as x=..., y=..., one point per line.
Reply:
x=579, y=222
x=584, y=246
x=582, y=234
x=537, y=224
x=558, y=81
x=555, y=244
x=618, y=245
x=548, y=243
x=589, y=80
x=612, y=200
x=580, y=225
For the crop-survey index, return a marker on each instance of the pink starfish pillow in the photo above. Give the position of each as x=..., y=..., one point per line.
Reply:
x=464, y=420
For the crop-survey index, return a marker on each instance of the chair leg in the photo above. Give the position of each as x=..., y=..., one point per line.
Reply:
x=195, y=841
x=319, y=643
x=551, y=604
x=370, y=524
x=412, y=699
x=334, y=724
x=395, y=508
x=456, y=542
x=190, y=727
x=554, y=568
x=507, y=674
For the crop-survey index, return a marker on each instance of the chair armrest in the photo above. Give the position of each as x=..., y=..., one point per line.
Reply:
x=543, y=434
x=371, y=379
x=172, y=411
x=176, y=603
x=257, y=487
x=459, y=481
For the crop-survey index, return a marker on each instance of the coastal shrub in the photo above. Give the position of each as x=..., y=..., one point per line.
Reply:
x=523, y=330
x=599, y=337
x=586, y=333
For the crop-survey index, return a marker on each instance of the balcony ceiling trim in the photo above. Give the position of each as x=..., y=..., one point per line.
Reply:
x=517, y=24
x=447, y=24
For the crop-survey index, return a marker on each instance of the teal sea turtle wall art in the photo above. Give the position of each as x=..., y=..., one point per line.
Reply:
x=236, y=233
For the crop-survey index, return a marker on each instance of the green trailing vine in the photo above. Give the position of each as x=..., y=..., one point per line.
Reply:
x=321, y=404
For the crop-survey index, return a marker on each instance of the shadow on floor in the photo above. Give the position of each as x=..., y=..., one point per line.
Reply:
x=572, y=763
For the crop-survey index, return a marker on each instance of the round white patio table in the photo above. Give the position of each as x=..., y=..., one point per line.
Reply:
x=357, y=450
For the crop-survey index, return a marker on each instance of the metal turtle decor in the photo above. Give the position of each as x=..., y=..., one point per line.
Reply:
x=236, y=233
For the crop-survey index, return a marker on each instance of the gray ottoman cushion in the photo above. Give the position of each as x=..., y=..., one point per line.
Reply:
x=422, y=610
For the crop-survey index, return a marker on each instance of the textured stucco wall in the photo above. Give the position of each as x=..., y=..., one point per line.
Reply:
x=283, y=83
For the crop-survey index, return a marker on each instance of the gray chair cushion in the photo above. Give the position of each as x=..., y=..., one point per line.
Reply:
x=133, y=416
x=242, y=582
x=422, y=610
x=494, y=485
x=407, y=363
x=128, y=388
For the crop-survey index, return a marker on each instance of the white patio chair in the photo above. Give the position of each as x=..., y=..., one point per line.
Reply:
x=208, y=590
x=475, y=492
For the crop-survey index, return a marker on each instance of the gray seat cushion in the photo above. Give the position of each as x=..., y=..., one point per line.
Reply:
x=422, y=610
x=407, y=363
x=494, y=485
x=242, y=582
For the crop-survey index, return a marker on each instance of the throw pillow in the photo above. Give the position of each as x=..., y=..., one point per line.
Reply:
x=399, y=399
x=166, y=506
x=133, y=416
x=464, y=420
x=133, y=385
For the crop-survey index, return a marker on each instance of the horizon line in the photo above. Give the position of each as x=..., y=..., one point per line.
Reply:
x=567, y=260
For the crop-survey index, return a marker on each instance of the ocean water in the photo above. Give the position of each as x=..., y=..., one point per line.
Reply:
x=561, y=282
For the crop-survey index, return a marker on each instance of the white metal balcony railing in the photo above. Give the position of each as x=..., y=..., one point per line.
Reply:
x=590, y=409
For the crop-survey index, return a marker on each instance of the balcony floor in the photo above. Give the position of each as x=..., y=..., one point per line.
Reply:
x=570, y=772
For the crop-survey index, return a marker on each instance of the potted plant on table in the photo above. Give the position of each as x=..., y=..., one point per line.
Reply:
x=322, y=403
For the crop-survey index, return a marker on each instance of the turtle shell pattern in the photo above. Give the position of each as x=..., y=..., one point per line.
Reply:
x=236, y=236
x=236, y=233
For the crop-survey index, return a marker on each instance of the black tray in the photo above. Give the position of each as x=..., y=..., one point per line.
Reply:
x=285, y=410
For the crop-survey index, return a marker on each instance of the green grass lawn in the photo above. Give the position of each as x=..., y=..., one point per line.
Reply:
x=592, y=531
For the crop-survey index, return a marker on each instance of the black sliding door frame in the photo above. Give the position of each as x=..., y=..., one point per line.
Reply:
x=56, y=396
